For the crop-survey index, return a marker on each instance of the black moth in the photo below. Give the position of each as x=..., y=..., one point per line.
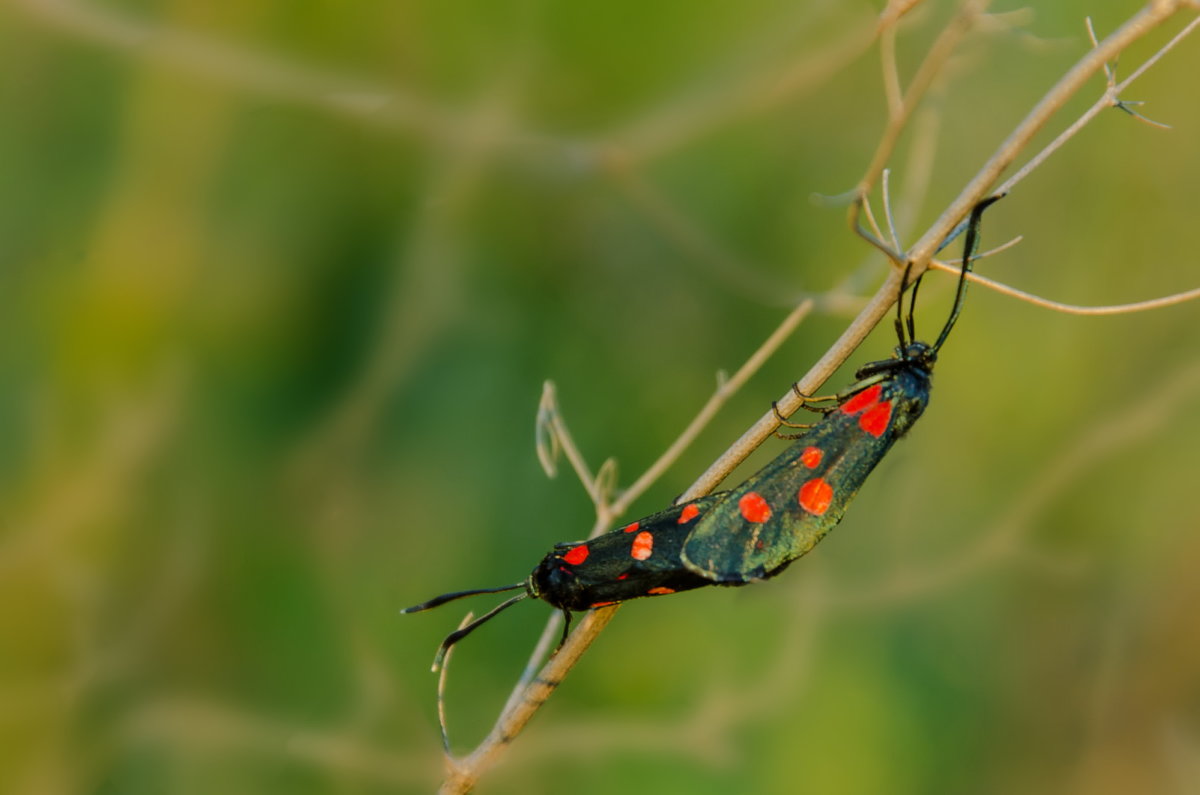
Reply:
x=752, y=532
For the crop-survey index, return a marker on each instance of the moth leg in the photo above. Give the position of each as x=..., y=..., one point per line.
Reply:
x=566, y=631
x=807, y=401
x=872, y=373
x=784, y=421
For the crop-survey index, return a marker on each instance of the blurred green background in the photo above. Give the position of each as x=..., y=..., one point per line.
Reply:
x=282, y=281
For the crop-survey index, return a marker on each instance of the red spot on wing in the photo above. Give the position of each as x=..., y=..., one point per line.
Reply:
x=863, y=399
x=815, y=496
x=602, y=604
x=689, y=513
x=754, y=508
x=577, y=555
x=661, y=590
x=643, y=545
x=632, y=528
x=811, y=457
x=622, y=576
x=875, y=419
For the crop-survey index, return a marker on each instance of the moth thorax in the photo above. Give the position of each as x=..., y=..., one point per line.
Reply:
x=551, y=582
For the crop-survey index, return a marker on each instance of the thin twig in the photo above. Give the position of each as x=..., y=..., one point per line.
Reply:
x=893, y=235
x=607, y=513
x=466, y=771
x=945, y=45
x=864, y=203
x=703, y=731
x=441, y=687
x=531, y=692
x=550, y=418
x=891, y=74
x=789, y=402
x=1105, y=101
x=1150, y=16
x=900, y=111
x=1071, y=309
x=955, y=265
x=722, y=394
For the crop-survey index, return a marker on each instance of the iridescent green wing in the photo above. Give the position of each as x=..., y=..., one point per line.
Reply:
x=781, y=512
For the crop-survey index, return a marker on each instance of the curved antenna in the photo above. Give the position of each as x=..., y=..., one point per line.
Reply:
x=450, y=597
x=900, y=308
x=969, y=246
x=459, y=634
x=912, y=307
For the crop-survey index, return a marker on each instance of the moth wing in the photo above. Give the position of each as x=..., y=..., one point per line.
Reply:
x=783, y=510
x=641, y=558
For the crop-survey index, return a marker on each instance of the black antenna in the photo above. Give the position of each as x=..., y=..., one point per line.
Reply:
x=912, y=307
x=900, y=309
x=969, y=246
x=450, y=597
x=462, y=632
x=459, y=634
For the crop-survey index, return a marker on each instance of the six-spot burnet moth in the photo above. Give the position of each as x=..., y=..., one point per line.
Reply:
x=752, y=532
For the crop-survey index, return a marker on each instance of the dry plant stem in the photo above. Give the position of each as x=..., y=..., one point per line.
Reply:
x=1071, y=309
x=723, y=392
x=891, y=75
x=702, y=732
x=955, y=265
x=900, y=109
x=1150, y=16
x=1110, y=99
x=465, y=772
x=441, y=688
x=884, y=298
x=606, y=513
x=566, y=442
x=893, y=235
x=857, y=331
x=462, y=774
x=606, y=510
